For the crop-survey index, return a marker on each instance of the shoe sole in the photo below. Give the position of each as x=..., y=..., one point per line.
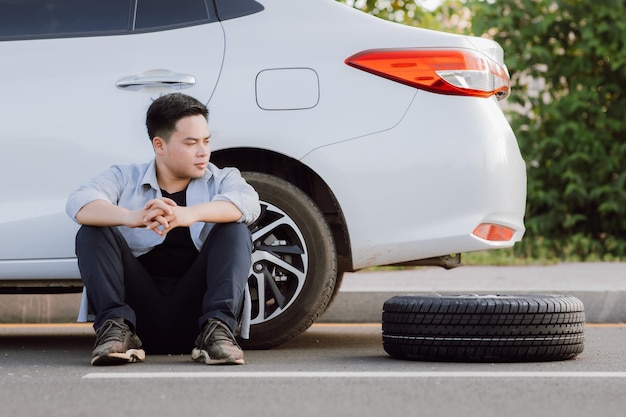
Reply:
x=199, y=355
x=130, y=356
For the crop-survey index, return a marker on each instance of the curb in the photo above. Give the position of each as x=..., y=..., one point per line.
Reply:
x=367, y=307
x=600, y=286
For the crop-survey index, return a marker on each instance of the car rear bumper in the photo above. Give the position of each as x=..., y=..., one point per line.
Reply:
x=419, y=189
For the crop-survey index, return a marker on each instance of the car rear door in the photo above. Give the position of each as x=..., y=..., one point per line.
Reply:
x=76, y=79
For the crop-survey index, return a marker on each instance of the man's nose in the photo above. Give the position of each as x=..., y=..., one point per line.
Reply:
x=203, y=149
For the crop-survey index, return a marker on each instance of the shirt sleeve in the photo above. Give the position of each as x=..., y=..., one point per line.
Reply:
x=234, y=188
x=105, y=186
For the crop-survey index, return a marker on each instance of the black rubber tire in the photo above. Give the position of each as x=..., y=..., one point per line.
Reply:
x=483, y=328
x=304, y=242
x=338, y=281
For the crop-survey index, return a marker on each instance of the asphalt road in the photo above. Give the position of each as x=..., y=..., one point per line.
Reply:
x=331, y=370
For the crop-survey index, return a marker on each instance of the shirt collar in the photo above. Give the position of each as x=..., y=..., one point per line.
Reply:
x=150, y=177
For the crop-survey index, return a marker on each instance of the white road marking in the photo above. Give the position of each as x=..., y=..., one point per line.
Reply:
x=232, y=375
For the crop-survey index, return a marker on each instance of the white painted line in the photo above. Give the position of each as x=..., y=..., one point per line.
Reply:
x=232, y=375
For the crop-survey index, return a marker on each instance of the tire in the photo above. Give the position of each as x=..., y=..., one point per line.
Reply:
x=338, y=281
x=294, y=263
x=483, y=328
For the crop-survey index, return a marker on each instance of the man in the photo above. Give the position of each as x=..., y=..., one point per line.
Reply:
x=164, y=250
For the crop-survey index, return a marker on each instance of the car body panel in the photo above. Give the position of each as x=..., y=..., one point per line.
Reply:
x=412, y=173
x=78, y=123
x=427, y=201
x=345, y=32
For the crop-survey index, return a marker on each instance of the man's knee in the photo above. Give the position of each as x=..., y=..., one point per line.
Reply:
x=86, y=234
x=93, y=236
x=233, y=234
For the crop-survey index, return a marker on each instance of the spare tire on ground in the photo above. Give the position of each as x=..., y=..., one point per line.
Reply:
x=483, y=328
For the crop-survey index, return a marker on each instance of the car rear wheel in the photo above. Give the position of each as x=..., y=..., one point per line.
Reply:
x=294, y=263
x=483, y=328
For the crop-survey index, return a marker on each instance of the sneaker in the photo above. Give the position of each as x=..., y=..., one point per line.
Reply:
x=216, y=344
x=116, y=344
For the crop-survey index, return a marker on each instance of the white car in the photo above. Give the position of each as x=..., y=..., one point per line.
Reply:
x=370, y=143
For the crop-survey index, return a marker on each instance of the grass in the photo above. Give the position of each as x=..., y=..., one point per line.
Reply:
x=542, y=251
x=501, y=257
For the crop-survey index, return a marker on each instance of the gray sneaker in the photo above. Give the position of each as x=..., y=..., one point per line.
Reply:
x=216, y=344
x=116, y=344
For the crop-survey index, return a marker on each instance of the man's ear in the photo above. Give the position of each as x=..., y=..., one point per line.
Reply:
x=158, y=144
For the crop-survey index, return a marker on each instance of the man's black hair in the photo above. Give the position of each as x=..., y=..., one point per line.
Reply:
x=166, y=111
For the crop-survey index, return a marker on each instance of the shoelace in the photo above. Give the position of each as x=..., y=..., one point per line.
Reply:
x=111, y=330
x=215, y=331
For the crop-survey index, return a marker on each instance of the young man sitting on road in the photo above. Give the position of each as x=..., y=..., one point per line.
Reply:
x=164, y=250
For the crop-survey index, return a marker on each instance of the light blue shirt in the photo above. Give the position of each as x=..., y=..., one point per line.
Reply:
x=132, y=186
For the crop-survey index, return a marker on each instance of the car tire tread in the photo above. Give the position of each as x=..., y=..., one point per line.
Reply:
x=488, y=328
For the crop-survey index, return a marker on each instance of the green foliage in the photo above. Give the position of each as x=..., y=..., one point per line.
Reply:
x=406, y=12
x=568, y=67
x=411, y=13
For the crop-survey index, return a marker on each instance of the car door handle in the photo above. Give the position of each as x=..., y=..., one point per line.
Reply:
x=156, y=78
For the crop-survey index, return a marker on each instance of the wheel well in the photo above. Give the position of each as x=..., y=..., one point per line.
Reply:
x=292, y=170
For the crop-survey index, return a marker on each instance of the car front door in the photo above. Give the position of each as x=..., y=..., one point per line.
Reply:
x=76, y=77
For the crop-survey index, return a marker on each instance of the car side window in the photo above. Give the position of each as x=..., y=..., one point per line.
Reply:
x=24, y=19
x=33, y=19
x=153, y=14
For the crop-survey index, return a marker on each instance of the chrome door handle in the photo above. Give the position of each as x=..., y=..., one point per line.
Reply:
x=156, y=78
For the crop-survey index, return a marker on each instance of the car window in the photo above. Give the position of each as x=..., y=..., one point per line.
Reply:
x=22, y=19
x=28, y=19
x=230, y=9
x=166, y=13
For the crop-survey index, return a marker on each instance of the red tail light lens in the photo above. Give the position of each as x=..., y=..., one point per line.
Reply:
x=494, y=232
x=461, y=72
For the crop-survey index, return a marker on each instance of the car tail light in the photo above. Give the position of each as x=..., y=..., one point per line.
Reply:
x=493, y=232
x=462, y=72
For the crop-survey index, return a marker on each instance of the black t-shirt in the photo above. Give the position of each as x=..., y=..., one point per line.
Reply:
x=177, y=253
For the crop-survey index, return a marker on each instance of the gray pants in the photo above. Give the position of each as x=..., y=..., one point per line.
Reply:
x=167, y=313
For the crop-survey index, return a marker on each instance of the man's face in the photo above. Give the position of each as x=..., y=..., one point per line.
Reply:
x=187, y=152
